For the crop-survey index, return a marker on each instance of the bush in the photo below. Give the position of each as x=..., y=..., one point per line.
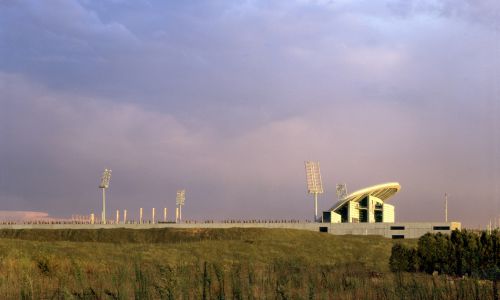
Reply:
x=403, y=259
x=462, y=253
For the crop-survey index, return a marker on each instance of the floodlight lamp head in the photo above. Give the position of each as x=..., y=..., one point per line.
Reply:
x=181, y=197
x=341, y=191
x=105, y=178
x=313, y=178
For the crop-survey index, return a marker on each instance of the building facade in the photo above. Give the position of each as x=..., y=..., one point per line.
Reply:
x=364, y=206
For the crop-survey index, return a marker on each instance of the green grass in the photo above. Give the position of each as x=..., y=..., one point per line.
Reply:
x=212, y=263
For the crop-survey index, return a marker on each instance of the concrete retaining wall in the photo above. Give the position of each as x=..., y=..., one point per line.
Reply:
x=389, y=230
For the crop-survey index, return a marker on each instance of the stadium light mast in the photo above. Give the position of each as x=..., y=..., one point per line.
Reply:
x=314, y=183
x=179, y=200
x=105, y=178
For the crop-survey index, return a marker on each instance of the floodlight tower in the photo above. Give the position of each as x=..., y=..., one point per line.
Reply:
x=179, y=200
x=105, y=178
x=314, y=184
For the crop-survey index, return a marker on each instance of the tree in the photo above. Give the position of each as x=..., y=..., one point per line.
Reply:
x=458, y=252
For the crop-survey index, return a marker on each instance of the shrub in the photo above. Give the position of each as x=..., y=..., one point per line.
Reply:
x=403, y=259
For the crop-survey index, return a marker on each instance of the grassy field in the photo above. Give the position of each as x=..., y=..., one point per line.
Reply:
x=211, y=264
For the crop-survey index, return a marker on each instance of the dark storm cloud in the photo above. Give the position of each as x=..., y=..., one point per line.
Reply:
x=228, y=98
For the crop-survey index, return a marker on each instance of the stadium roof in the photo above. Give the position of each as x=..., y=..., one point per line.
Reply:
x=382, y=191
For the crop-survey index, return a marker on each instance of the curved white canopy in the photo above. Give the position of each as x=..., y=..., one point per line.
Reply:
x=382, y=191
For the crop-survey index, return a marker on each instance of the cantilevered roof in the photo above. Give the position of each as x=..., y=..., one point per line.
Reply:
x=382, y=191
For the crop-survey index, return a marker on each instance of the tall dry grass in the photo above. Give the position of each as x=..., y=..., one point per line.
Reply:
x=237, y=264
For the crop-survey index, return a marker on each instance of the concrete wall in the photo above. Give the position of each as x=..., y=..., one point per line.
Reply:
x=388, y=216
x=371, y=208
x=335, y=217
x=392, y=230
x=389, y=230
x=353, y=211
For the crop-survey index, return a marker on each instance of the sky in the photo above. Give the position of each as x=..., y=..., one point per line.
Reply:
x=227, y=99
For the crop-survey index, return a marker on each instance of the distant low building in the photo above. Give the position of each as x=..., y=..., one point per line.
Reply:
x=367, y=205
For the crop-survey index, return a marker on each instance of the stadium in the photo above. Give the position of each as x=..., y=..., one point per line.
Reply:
x=367, y=205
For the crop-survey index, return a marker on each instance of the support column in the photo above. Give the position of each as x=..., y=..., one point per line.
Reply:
x=315, y=207
x=103, y=216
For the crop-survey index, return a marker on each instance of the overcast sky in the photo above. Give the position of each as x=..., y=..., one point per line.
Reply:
x=227, y=99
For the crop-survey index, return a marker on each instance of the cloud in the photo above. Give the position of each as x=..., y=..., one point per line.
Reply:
x=228, y=99
x=58, y=147
x=63, y=21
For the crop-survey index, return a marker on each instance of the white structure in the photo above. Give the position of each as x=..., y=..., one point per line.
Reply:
x=314, y=183
x=367, y=205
